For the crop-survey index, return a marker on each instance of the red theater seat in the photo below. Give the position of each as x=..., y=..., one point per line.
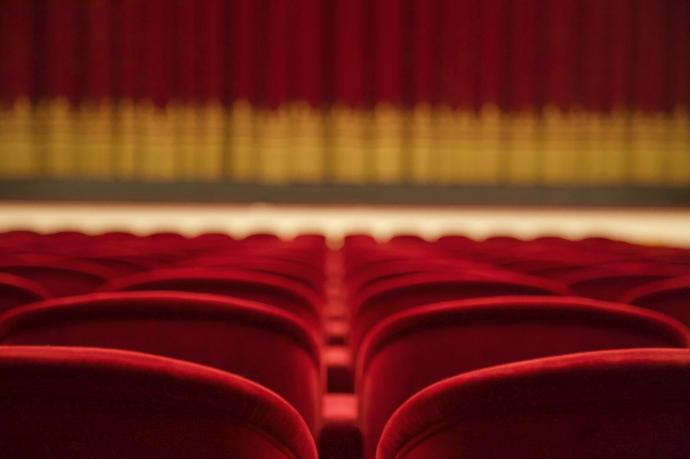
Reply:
x=365, y=259
x=456, y=244
x=15, y=291
x=292, y=271
x=377, y=272
x=536, y=266
x=60, y=277
x=557, y=271
x=312, y=239
x=260, y=343
x=117, y=265
x=79, y=403
x=19, y=235
x=313, y=261
x=165, y=237
x=263, y=288
x=670, y=297
x=550, y=240
x=115, y=236
x=213, y=240
x=411, y=239
x=610, y=285
x=262, y=238
x=303, y=260
x=631, y=404
x=388, y=297
x=414, y=349
x=358, y=239
x=661, y=268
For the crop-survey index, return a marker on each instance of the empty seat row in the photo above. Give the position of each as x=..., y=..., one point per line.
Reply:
x=64, y=402
x=421, y=312
x=415, y=349
x=242, y=337
x=596, y=268
x=82, y=403
x=249, y=309
x=285, y=274
x=599, y=405
x=403, y=348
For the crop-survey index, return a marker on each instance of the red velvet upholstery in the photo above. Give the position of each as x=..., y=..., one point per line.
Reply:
x=297, y=253
x=301, y=256
x=15, y=291
x=412, y=239
x=254, y=341
x=557, y=272
x=358, y=239
x=670, y=297
x=191, y=299
x=82, y=403
x=213, y=240
x=264, y=288
x=605, y=284
x=538, y=266
x=414, y=349
x=371, y=274
x=313, y=239
x=263, y=238
x=367, y=258
x=632, y=404
x=388, y=297
x=119, y=266
x=292, y=271
x=638, y=265
x=60, y=278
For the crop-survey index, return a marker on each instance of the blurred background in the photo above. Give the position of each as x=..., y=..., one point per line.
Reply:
x=445, y=102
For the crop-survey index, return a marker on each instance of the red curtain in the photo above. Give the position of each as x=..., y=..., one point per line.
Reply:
x=518, y=55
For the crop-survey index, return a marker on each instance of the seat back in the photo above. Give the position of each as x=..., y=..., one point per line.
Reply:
x=379, y=272
x=669, y=296
x=118, y=265
x=67, y=403
x=599, y=405
x=413, y=350
x=388, y=297
x=264, y=288
x=609, y=285
x=292, y=271
x=254, y=341
x=60, y=277
x=15, y=291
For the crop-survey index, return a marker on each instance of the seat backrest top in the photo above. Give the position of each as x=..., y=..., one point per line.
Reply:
x=112, y=377
x=520, y=309
x=163, y=305
x=646, y=295
x=15, y=290
x=418, y=281
x=168, y=279
x=645, y=379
